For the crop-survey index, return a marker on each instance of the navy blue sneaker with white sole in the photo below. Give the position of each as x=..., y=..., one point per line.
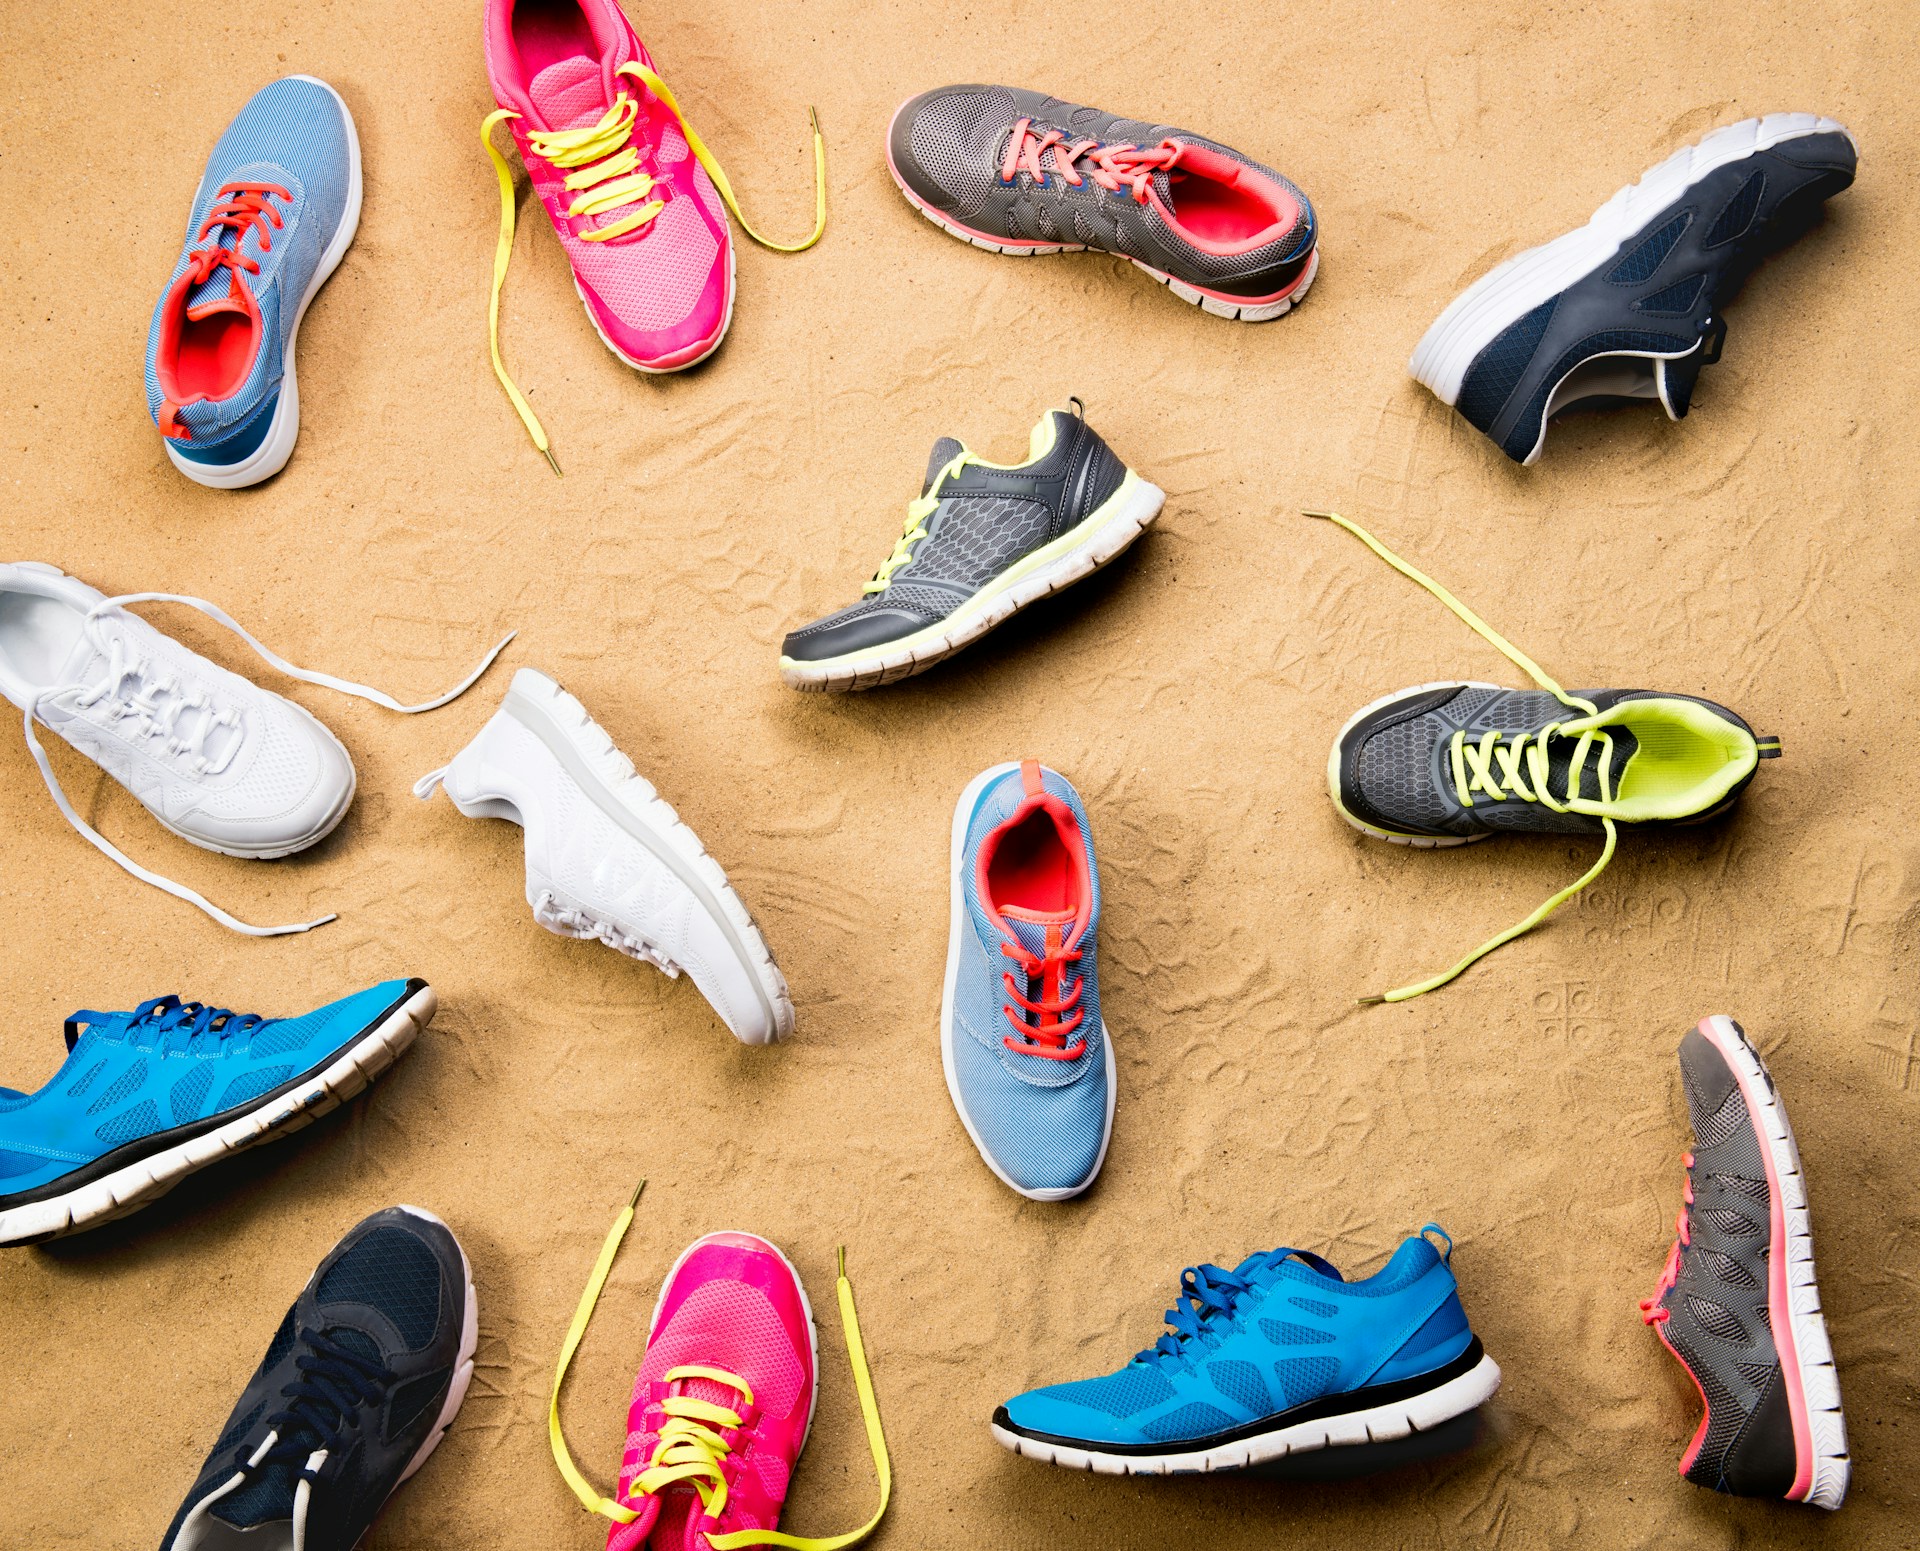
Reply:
x=358, y=1387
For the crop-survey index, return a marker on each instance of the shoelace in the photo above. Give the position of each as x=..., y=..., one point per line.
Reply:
x=1485, y=755
x=1110, y=166
x=1207, y=1298
x=692, y=1444
x=124, y=665
x=919, y=509
x=1042, y=1038
x=178, y=1025
x=334, y=1383
x=1652, y=1312
x=604, y=175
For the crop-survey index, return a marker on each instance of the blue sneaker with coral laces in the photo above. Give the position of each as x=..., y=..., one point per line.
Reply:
x=1027, y=1057
x=272, y=218
x=146, y=1097
x=1277, y=1356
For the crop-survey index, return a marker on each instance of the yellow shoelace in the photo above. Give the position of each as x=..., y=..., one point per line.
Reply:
x=918, y=511
x=604, y=178
x=691, y=1445
x=1486, y=765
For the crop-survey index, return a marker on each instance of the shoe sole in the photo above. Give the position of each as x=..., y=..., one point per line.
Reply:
x=1100, y=538
x=1511, y=290
x=1421, y=842
x=1373, y=1424
x=1262, y=309
x=1799, y=1329
x=271, y=456
x=128, y=1189
x=652, y=822
x=463, y=1364
x=957, y=925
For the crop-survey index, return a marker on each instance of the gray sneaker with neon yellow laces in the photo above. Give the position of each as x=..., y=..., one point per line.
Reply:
x=982, y=541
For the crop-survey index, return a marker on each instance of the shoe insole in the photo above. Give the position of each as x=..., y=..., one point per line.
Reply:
x=215, y=355
x=37, y=636
x=548, y=31
x=1218, y=212
x=1031, y=868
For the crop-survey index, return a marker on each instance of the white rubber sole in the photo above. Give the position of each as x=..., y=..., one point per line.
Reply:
x=1400, y=1419
x=1511, y=290
x=1421, y=842
x=1207, y=301
x=1101, y=538
x=463, y=1364
x=652, y=821
x=1806, y=1352
x=271, y=456
x=957, y=926
x=127, y=1190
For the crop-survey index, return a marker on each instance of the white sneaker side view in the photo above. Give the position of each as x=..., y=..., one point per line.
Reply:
x=216, y=759
x=608, y=859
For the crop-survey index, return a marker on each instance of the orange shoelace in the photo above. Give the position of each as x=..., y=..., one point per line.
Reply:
x=1043, y=1038
x=1651, y=1313
x=242, y=206
x=1110, y=166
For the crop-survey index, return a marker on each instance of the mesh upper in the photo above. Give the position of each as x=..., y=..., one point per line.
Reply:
x=390, y=1270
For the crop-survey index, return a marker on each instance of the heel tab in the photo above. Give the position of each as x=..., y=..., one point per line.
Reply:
x=430, y=783
x=1767, y=746
x=1428, y=1231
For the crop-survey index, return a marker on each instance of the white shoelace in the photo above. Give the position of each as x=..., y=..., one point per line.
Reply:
x=164, y=722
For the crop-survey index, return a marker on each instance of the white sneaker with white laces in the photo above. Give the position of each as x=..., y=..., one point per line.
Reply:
x=217, y=760
x=608, y=859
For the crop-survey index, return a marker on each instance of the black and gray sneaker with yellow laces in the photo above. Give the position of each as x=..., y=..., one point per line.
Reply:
x=1443, y=764
x=358, y=1386
x=981, y=542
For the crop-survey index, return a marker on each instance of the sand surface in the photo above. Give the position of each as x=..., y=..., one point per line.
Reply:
x=1759, y=553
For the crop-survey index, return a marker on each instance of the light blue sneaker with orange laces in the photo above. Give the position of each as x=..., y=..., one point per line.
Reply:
x=146, y=1097
x=1028, y=1061
x=1277, y=1356
x=275, y=211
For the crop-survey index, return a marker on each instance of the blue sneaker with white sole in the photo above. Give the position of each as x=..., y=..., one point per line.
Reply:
x=276, y=208
x=146, y=1097
x=1277, y=1356
x=1027, y=1058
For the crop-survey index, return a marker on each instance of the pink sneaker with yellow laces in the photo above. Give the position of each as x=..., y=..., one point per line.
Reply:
x=722, y=1403
x=634, y=196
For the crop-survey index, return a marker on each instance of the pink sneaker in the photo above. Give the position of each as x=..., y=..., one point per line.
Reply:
x=633, y=193
x=722, y=1403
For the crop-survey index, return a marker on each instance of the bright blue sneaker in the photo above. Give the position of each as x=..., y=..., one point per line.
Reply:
x=1028, y=1061
x=1277, y=1356
x=272, y=218
x=146, y=1097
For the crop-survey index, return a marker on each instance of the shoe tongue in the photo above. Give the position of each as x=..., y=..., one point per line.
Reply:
x=944, y=452
x=570, y=93
x=1560, y=763
x=1029, y=927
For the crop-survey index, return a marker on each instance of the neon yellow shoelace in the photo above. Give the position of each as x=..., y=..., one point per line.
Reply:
x=918, y=511
x=692, y=1444
x=605, y=176
x=1504, y=767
